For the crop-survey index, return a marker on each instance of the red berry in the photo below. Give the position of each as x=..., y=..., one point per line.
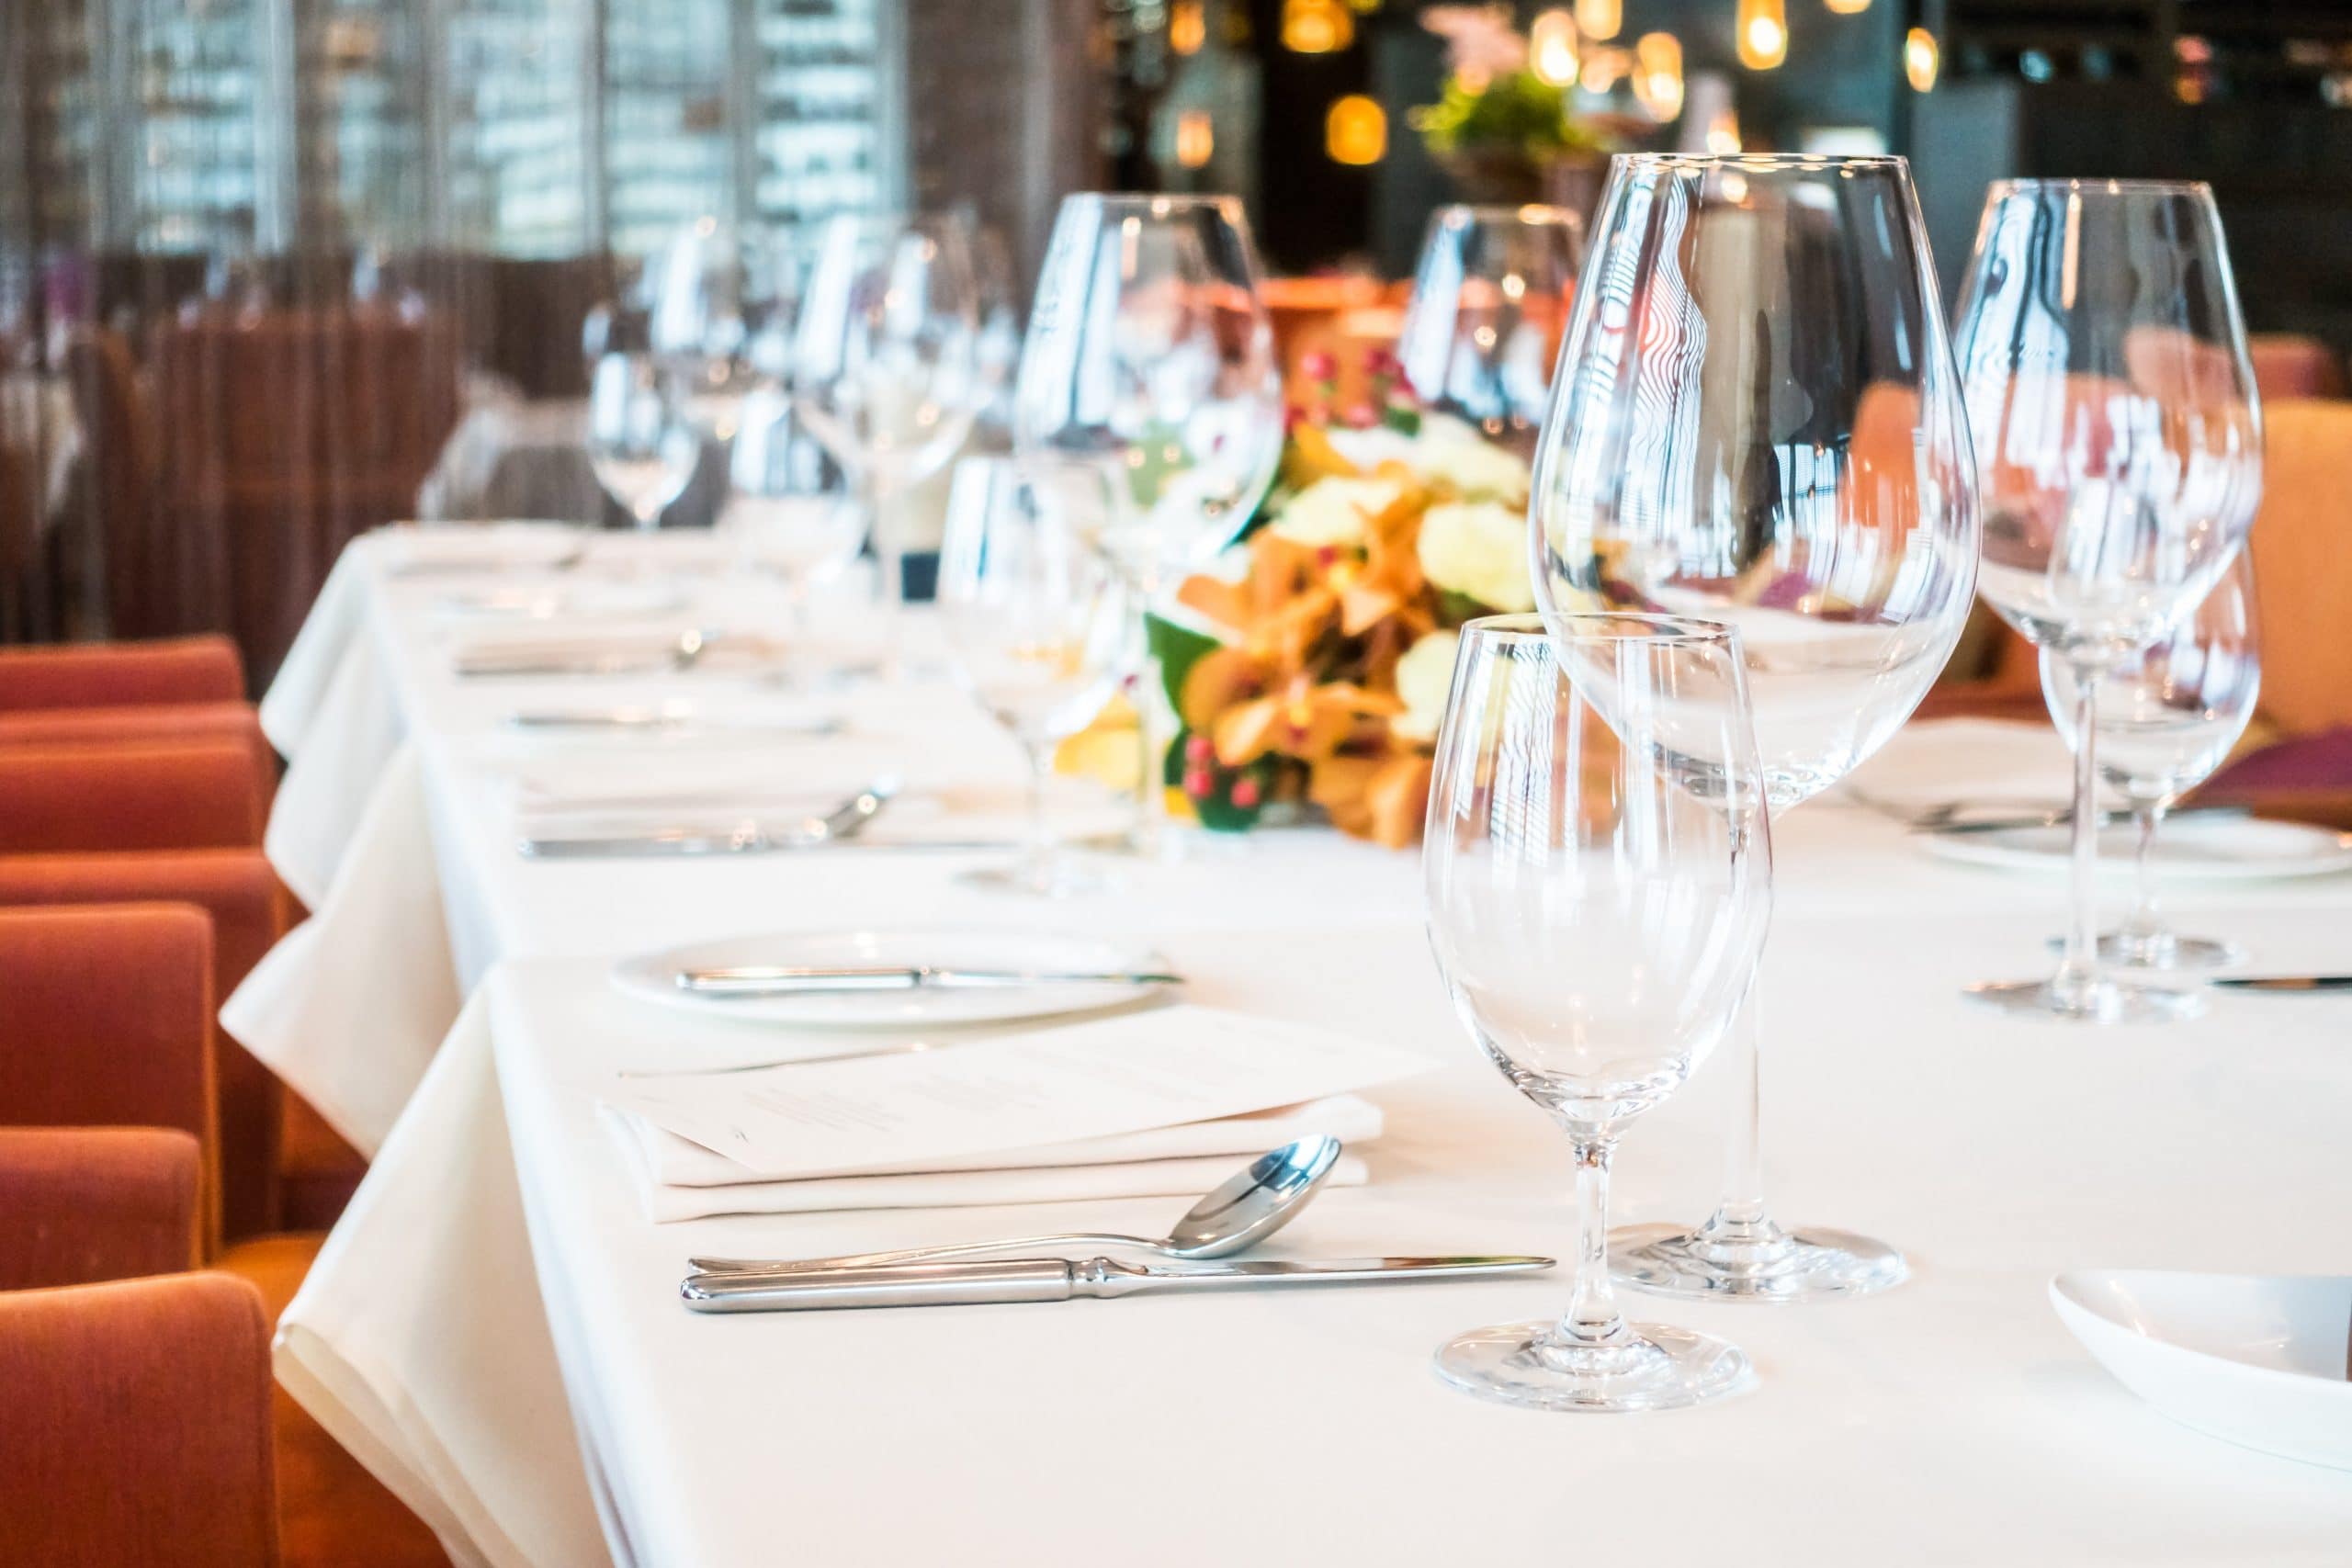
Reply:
x=1317, y=365
x=1245, y=793
x=1196, y=783
x=1198, y=749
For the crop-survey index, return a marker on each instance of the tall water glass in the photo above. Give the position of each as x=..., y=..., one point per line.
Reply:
x=2120, y=439
x=1490, y=301
x=788, y=511
x=2165, y=720
x=884, y=364
x=1150, y=356
x=1598, y=869
x=1756, y=420
x=1033, y=617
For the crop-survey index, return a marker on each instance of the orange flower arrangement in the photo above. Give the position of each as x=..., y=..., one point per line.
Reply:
x=1317, y=674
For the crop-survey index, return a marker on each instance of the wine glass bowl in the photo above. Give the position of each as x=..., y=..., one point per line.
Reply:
x=1756, y=420
x=1598, y=868
x=1490, y=300
x=641, y=443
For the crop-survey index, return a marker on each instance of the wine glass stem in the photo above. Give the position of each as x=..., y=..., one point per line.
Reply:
x=1038, y=849
x=1151, y=799
x=2077, y=970
x=2144, y=922
x=1592, y=1317
x=1741, y=1212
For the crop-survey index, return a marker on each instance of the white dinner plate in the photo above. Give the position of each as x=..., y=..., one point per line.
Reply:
x=652, y=977
x=2255, y=1360
x=2204, y=849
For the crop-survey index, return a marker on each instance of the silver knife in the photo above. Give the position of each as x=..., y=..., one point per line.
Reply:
x=1059, y=1279
x=678, y=842
x=785, y=979
x=2287, y=982
x=639, y=720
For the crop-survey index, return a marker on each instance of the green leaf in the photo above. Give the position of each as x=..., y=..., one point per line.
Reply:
x=1216, y=810
x=1176, y=649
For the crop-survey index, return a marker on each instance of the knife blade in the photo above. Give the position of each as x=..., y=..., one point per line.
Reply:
x=2287, y=982
x=785, y=979
x=1060, y=1280
x=696, y=842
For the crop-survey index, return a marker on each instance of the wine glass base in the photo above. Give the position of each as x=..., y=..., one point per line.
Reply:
x=2136, y=953
x=2102, y=1001
x=1051, y=880
x=1782, y=1266
x=1657, y=1367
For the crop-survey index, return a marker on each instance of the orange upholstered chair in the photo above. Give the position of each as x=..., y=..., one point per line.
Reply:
x=106, y=1018
x=241, y=895
x=136, y=1429
x=178, y=795
x=143, y=722
x=108, y=674
x=2302, y=564
x=2289, y=365
x=82, y=1205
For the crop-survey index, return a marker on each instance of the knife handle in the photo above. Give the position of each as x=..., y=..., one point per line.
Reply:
x=929, y=1284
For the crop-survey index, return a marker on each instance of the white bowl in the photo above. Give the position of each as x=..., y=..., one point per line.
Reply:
x=2256, y=1360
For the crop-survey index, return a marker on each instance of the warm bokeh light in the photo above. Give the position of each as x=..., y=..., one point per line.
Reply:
x=1922, y=58
x=1723, y=134
x=1355, y=131
x=1188, y=28
x=1552, y=48
x=1316, y=27
x=1602, y=69
x=1763, y=34
x=1848, y=7
x=1599, y=19
x=1195, y=139
x=1658, y=75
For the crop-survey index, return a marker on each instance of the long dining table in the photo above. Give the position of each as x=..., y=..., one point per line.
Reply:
x=494, y=1326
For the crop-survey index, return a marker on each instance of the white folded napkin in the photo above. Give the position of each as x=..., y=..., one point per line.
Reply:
x=679, y=1180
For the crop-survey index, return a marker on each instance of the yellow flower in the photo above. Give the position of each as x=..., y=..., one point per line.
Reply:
x=1452, y=454
x=1424, y=676
x=1334, y=511
x=1479, y=549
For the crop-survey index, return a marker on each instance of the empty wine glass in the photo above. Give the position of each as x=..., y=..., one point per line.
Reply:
x=2120, y=440
x=1150, y=356
x=788, y=508
x=694, y=291
x=2165, y=720
x=1756, y=420
x=1031, y=612
x=1599, y=872
x=640, y=443
x=884, y=364
x=1490, y=300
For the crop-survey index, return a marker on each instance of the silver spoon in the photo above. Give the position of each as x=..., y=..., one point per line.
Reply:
x=1247, y=1209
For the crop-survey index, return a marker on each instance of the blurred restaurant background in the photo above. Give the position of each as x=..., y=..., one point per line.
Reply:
x=275, y=271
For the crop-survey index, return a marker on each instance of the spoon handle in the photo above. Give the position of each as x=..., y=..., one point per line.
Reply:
x=920, y=1254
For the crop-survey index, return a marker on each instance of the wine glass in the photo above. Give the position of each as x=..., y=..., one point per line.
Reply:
x=2165, y=720
x=1756, y=420
x=1598, y=870
x=1032, y=613
x=1150, y=356
x=1490, y=300
x=695, y=291
x=2120, y=442
x=642, y=446
x=788, y=508
x=884, y=361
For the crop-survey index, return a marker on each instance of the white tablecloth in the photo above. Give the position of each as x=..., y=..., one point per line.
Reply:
x=496, y=1273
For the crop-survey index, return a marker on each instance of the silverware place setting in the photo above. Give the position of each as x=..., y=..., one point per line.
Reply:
x=688, y=649
x=840, y=825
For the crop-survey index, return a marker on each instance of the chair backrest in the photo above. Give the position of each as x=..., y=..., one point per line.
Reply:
x=105, y=1020
x=178, y=795
x=82, y=1205
x=248, y=909
x=2302, y=564
x=137, y=1426
x=111, y=674
x=2289, y=365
